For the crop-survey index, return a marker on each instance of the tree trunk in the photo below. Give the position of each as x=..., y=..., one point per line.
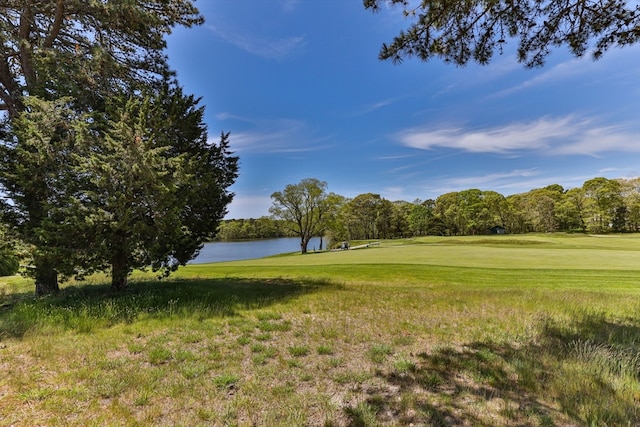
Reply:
x=46, y=278
x=304, y=242
x=119, y=274
x=119, y=271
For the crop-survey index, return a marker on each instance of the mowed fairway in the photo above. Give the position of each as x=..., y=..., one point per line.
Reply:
x=536, y=330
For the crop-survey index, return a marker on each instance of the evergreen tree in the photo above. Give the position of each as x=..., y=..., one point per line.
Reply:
x=84, y=49
x=138, y=186
x=37, y=171
x=78, y=54
x=9, y=263
x=463, y=31
x=158, y=188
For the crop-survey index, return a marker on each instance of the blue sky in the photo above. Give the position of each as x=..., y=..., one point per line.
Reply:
x=299, y=85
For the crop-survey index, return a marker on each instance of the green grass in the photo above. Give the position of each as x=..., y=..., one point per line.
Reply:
x=536, y=330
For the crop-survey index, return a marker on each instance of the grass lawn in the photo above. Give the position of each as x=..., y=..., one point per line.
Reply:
x=535, y=330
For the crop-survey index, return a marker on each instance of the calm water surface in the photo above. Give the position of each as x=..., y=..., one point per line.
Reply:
x=250, y=249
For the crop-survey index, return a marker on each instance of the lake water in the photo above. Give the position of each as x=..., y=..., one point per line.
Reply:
x=250, y=249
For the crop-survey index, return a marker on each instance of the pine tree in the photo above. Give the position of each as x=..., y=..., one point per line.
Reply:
x=158, y=189
x=463, y=31
x=76, y=54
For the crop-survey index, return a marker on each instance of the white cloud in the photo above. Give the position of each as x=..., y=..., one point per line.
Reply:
x=249, y=207
x=273, y=136
x=372, y=107
x=557, y=136
x=602, y=139
x=266, y=48
x=394, y=157
x=289, y=5
x=613, y=65
x=229, y=116
x=559, y=72
x=394, y=193
x=493, y=178
x=509, y=182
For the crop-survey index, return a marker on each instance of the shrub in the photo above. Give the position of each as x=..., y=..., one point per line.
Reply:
x=9, y=264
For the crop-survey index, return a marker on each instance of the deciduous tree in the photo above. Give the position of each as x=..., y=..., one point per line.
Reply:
x=570, y=211
x=447, y=210
x=631, y=195
x=419, y=218
x=540, y=208
x=604, y=197
x=369, y=216
x=303, y=207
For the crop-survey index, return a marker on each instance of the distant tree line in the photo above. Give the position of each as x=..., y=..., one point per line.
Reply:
x=600, y=205
x=252, y=229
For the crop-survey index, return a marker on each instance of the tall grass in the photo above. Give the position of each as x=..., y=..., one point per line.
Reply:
x=419, y=332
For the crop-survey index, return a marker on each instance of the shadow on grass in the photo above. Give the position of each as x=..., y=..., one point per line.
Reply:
x=84, y=308
x=585, y=371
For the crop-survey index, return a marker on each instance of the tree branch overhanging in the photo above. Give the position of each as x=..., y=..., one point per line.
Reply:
x=460, y=31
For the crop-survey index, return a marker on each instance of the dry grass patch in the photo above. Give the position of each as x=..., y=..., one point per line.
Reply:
x=366, y=343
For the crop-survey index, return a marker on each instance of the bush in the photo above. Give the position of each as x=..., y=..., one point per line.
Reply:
x=9, y=264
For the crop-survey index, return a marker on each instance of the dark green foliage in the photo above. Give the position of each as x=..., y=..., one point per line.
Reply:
x=369, y=216
x=156, y=188
x=463, y=31
x=245, y=229
x=9, y=263
x=137, y=186
x=103, y=159
x=84, y=50
x=36, y=171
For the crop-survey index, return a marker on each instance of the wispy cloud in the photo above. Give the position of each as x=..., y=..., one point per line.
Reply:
x=557, y=136
x=393, y=193
x=372, y=107
x=620, y=172
x=559, y=72
x=518, y=181
x=615, y=64
x=475, y=76
x=599, y=139
x=228, y=116
x=267, y=48
x=394, y=157
x=289, y=5
x=248, y=206
x=493, y=178
x=273, y=136
x=508, y=182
